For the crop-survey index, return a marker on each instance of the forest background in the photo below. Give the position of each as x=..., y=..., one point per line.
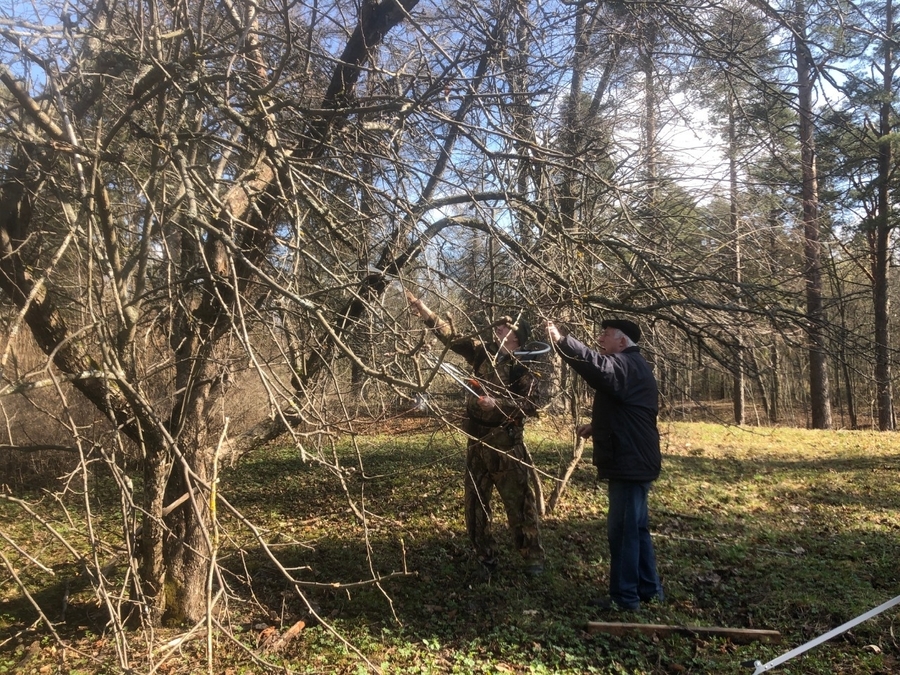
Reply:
x=209, y=214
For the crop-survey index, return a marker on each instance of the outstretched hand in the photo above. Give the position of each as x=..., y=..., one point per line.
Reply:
x=416, y=306
x=553, y=333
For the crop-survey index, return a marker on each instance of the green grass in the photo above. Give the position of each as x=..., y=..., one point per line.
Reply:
x=784, y=529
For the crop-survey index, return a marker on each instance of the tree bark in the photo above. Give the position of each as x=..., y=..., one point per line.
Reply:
x=819, y=387
x=880, y=238
x=738, y=368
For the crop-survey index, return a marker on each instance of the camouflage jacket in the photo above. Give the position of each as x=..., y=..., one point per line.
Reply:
x=503, y=377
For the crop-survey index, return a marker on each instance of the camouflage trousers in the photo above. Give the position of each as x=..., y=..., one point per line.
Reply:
x=498, y=458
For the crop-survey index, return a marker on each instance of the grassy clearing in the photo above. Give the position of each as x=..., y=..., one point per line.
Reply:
x=784, y=529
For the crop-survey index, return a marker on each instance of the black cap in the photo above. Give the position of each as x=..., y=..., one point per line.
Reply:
x=521, y=328
x=630, y=328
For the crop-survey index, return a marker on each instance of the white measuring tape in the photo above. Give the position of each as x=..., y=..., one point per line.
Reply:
x=763, y=667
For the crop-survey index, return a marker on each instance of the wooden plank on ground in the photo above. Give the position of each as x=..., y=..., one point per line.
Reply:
x=739, y=635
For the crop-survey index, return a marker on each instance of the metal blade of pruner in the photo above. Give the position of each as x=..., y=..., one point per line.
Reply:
x=453, y=372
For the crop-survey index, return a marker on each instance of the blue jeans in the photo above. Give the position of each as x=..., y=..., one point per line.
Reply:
x=632, y=566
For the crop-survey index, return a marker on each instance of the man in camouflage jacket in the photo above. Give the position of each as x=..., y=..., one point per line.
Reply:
x=501, y=398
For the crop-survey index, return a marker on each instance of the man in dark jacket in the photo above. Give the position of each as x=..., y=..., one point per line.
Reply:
x=626, y=452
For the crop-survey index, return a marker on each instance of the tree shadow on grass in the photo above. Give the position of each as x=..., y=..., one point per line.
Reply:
x=720, y=563
x=447, y=596
x=784, y=563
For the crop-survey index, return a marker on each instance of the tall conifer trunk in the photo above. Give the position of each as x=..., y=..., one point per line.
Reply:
x=820, y=390
x=880, y=236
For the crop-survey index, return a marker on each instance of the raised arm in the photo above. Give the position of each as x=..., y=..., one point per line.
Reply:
x=443, y=330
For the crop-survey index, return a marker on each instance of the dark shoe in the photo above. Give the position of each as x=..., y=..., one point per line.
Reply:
x=486, y=569
x=609, y=605
x=534, y=570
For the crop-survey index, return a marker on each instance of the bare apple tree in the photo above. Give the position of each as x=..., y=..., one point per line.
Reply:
x=199, y=199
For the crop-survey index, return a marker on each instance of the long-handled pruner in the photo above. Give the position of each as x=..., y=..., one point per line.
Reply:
x=453, y=373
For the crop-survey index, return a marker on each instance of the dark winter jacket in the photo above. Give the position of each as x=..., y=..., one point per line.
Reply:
x=626, y=403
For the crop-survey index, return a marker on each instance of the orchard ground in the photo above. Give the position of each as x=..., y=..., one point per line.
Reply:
x=790, y=530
